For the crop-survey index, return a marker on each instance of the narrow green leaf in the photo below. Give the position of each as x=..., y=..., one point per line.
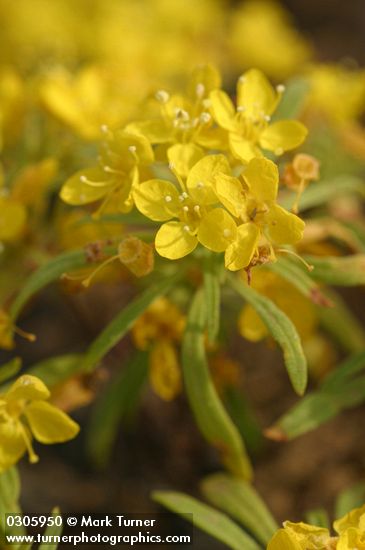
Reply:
x=46, y=274
x=210, y=414
x=10, y=488
x=351, y=498
x=281, y=329
x=318, y=517
x=342, y=324
x=339, y=270
x=318, y=194
x=208, y=519
x=340, y=390
x=122, y=323
x=10, y=369
x=301, y=280
x=212, y=297
x=118, y=400
x=293, y=99
x=52, y=531
x=241, y=501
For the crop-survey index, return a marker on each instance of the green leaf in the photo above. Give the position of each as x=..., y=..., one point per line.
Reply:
x=46, y=274
x=122, y=323
x=340, y=390
x=293, y=99
x=10, y=489
x=339, y=270
x=296, y=276
x=10, y=369
x=212, y=297
x=351, y=498
x=118, y=400
x=210, y=414
x=52, y=531
x=318, y=517
x=281, y=329
x=318, y=194
x=211, y=521
x=241, y=501
x=342, y=324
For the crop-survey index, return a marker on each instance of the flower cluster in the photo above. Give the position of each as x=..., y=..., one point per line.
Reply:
x=214, y=186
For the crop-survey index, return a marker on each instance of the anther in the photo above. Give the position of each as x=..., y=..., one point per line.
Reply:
x=280, y=88
x=200, y=89
x=200, y=185
x=241, y=108
x=197, y=208
x=279, y=151
x=168, y=198
x=83, y=179
x=186, y=208
x=186, y=228
x=267, y=118
x=162, y=96
x=132, y=148
x=226, y=232
x=205, y=117
x=242, y=79
x=104, y=128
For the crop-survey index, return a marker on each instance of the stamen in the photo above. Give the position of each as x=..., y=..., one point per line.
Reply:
x=200, y=89
x=162, y=96
x=104, y=128
x=186, y=228
x=242, y=79
x=186, y=208
x=86, y=180
x=168, y=198
x=226, y=232
x=280, y=88
x=279, y=151
x=267, y=118
x=197, y=208
x=200, y=185
x=27, y=335
x=132, y=148
x=241, y=108
x=33, y=457
x=205, y=117
x=287, y=251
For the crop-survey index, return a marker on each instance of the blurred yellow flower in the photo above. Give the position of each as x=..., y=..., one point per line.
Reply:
x=25, y=412
x=351, y=530
x=12, y=105
x=262, y=35
x=249, y=124
x=159, y=330
x=298, y=308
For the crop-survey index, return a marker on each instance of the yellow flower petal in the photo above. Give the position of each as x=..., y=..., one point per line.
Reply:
x=223, y=109
x=283, y=136
x=12, y=444
x=262, y=177
x=48, y=424
x=230, y=192
x=174, y=241
x=204, y=79
x=183, y=156
x=157, y=199
x=13, y=216
x=256, y=94
x=28, y=387
x=355, y=518
x=213, y=138
x=351, y=539
x=250, y=325
x=243, y=149
x=156, y=131
x=308, y=536
x=122, y=142
x=164, y=372
x=201, y=178
x=283, y=226
x=239, y=254
x=86, y=186
x=283, y=541
x=217, y=230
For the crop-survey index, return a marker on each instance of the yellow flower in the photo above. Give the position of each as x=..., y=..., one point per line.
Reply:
x=338, y=92
x=160, y=329
x=193, y=206
x=301, y=536
x=263, y=36
x=121, y=155
x=249, y=125
x=351, y=529
x=25, y=412
x=252, y=199
x=183, y=122
x=298, y=308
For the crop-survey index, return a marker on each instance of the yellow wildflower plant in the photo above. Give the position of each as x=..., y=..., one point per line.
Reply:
x=192, y=205
x=292, y=302
x=299, y=173
x=159, y=330
x=111, y=181
x=183, y=123
x=301, y=536
x=26, y=413
x=249, y=124
x=351, y=530
x=251, y=199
